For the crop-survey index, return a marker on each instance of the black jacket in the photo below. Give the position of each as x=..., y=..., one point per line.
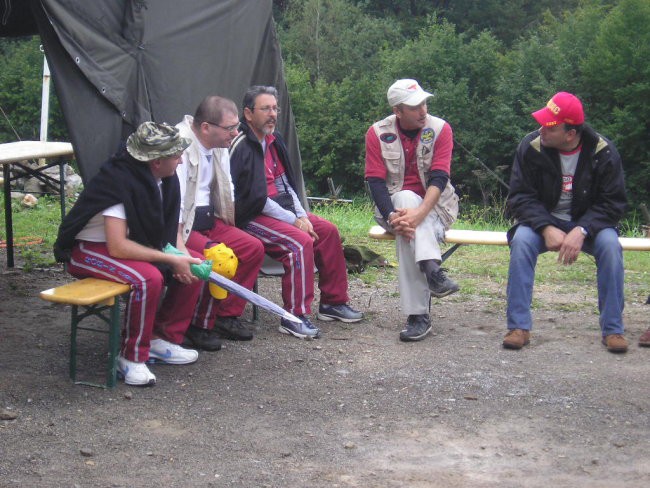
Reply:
x=122, y=179
x=599, y=199
x=249, y=175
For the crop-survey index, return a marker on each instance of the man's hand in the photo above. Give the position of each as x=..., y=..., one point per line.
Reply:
x=404, y=221
x=305, y=225
x=181, y=268
x=401, y=227
x=571, y=246
x=553, y=237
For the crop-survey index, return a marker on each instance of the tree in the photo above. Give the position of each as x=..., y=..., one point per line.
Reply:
x=21, y=77
x=334, y=39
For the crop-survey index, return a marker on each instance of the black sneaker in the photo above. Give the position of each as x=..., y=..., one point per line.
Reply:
x=344, y=313
x=417, y=327
x=232, y=329
x=440, y=285
x=205, y=339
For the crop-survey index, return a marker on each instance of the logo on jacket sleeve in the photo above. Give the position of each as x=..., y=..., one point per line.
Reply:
x=388, y=138
x=427, y=136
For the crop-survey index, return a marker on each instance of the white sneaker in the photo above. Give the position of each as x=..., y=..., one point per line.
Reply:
x=136, y=374
x=169, y=353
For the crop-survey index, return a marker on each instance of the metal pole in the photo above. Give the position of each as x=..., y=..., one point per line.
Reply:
x=45, y=99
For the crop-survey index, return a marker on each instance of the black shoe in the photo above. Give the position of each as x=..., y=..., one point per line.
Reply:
x=440, y=285
x=232, y=329
x=344, y=313
x=417, y=327
x=205, y=339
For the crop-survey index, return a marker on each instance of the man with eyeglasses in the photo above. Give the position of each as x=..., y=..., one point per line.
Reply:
x=208, y=218
x=408, y=163
x=267, y=207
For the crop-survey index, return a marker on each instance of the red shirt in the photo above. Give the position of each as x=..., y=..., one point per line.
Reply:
x=273, y=166
x=441, y=160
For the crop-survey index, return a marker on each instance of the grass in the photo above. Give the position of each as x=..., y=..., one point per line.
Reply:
x=481, y=270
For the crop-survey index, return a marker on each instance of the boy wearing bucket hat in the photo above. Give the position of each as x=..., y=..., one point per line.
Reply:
x=567, y=195
x=116, y=231
x=408, y=162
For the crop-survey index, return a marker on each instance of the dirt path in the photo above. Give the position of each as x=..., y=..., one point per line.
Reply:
x=356, y=408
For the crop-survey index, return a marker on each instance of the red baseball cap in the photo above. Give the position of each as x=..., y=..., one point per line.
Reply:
x=562, y=108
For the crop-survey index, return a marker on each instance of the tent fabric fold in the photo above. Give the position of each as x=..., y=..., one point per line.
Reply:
x=117, y=63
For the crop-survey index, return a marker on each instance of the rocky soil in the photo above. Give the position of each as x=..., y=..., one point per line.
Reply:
x=356, y=408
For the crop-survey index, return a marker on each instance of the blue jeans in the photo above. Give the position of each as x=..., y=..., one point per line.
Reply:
x=527, y=244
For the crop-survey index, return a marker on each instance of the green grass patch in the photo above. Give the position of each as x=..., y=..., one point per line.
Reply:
x=480, y=270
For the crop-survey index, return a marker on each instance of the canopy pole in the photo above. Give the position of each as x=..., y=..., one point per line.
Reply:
x=45, y=99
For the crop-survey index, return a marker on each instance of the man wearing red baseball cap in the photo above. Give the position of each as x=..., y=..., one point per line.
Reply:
x=567, y=194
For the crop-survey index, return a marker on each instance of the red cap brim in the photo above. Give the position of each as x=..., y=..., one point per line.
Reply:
x=545, y=117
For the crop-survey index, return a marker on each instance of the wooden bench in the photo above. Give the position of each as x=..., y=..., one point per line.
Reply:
x=459, y=237
x=97, y=298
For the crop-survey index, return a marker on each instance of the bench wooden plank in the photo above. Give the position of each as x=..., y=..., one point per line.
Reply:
x=495, y=238
x=88, y=291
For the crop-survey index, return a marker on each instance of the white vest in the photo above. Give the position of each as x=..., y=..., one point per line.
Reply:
x=221, y=187
x=392, y=153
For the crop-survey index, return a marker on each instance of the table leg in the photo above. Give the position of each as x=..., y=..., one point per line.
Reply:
x=9, y=224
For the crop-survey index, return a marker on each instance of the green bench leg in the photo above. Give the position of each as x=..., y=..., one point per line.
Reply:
x=113, y=322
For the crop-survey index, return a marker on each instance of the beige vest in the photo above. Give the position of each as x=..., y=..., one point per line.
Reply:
x=221, y=194
x=392, y=153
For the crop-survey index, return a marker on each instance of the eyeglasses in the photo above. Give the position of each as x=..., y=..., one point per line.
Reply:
x=267, y=110
x=227, y=128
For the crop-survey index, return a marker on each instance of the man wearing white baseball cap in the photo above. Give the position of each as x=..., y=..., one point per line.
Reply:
x=408, y=161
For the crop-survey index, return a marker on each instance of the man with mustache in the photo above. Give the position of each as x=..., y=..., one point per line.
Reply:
x=567, y=194
x=208, y=218
x=267, y=207
x=408, y=160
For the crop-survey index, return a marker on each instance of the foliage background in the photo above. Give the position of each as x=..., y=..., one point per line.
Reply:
x=490, y=63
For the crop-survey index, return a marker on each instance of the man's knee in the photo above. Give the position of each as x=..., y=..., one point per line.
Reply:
x=525, y=240
x=406, y=199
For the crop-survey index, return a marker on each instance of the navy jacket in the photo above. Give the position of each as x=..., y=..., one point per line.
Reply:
x=249, y=174
x=599, y=199
x=152, y=222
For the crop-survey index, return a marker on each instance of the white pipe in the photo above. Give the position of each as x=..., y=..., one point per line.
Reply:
x=45, y=99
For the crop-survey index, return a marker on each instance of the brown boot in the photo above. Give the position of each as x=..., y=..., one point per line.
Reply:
x=644, y=340
x=516, y=339
x=615, y=343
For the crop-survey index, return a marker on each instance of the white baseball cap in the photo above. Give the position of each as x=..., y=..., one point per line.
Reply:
x=408, y=92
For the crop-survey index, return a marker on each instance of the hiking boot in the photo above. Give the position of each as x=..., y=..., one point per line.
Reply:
x=644, y=340
x=205, y=339
x=135, y=374
x=162, y=350
x=516, y=339
x=232, y=329
x=303, y=330
x=615, y=343
x=440, y=285
x=344, y=313
x=417, y=327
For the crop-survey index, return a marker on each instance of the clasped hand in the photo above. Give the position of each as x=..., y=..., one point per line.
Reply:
x=568, y=245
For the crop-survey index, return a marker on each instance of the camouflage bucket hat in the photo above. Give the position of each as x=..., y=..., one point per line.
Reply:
x=152, y=141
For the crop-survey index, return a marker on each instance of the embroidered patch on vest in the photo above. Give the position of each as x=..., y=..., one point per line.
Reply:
x=427, y=136
x=388, y=138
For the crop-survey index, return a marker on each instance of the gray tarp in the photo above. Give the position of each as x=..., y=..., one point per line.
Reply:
x=117, y=63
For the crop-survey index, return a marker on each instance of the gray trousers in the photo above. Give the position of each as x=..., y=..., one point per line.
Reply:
x=413, y=287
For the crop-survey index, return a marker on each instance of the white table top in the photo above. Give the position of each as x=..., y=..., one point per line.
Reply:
x=12, y=152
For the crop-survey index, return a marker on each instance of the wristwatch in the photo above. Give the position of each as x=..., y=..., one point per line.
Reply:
x=583, y=230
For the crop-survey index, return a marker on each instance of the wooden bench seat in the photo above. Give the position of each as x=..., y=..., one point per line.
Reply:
x=95, y=297
x=460, y=237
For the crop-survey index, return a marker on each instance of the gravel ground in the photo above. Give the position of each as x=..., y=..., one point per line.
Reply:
x=356, y=408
